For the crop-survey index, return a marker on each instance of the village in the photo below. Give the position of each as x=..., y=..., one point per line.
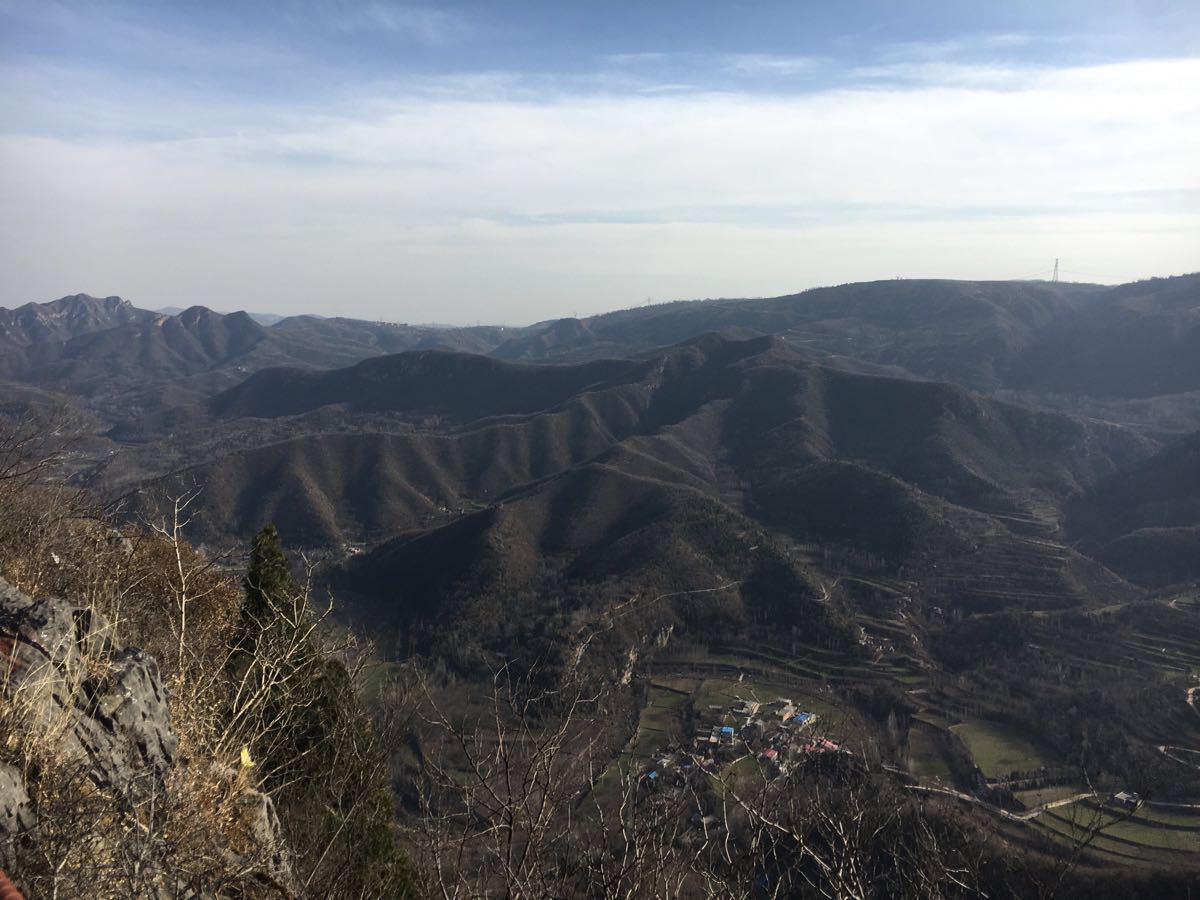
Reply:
x=776, y=734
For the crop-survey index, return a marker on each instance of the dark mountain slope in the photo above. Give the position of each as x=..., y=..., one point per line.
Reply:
x=1142, y=340
x=1145, y=520
x=948, y=441
x=460, y=386
x=577, y=548
x=904, y=475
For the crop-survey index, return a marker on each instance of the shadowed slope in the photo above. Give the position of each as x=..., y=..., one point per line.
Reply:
x=922, y=477
x=1145, y=520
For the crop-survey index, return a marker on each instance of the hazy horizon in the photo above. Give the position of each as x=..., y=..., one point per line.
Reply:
x=515, y=163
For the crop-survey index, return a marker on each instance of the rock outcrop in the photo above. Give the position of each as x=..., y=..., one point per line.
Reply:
x=76, y=701
x=102, y=705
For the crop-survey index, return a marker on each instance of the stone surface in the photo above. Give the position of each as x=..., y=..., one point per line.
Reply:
x=16, y=813
x=103, y=705
x=103, y=708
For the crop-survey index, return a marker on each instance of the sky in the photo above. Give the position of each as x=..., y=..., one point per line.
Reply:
x=510, y=162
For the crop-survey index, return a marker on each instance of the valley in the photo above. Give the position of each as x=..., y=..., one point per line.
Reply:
x=876, y=505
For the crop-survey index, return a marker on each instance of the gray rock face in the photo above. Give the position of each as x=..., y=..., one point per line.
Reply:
x=16, y=812
x=99, y=710
x=102, y=705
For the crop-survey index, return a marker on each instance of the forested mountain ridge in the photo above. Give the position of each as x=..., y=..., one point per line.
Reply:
x=955, y=521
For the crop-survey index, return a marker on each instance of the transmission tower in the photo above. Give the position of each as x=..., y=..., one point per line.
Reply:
x=1054, y=277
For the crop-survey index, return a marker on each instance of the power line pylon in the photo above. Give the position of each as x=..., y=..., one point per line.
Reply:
x=1054, y=277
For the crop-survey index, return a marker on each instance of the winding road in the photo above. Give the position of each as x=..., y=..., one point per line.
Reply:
x=1007, y=814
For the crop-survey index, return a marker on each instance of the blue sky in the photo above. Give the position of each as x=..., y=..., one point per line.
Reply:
x=516, y=161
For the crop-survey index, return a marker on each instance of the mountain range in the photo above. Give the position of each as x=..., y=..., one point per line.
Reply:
x=966, y=495
x=919, y=399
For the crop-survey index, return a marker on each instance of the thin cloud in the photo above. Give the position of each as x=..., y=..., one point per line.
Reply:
x=635, y=59
x=758, y=64
x=669, y=88
x=427, y=25
x=409, y=204
x=970, y=47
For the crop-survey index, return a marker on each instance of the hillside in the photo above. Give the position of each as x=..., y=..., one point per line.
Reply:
x=35, y=334
x=1141, y=340
x=459, y=386
x=959, y=491
x=1145, y=520
x=753, y=405
x=165, y=347
x=1132, y=340
x=958, y=331
x=571, y=547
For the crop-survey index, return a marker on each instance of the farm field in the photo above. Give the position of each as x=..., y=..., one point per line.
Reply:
x=1039, y=796
x=661, y=722
x=925, y=757
x=998, y=750
x=1101, y=845
x=1079, y=819
x=1170, y=816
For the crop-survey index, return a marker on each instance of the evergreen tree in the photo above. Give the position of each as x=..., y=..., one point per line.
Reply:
x=269, y=579
x=312, y=740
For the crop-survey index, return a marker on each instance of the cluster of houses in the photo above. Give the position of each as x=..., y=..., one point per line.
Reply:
x=777, y=733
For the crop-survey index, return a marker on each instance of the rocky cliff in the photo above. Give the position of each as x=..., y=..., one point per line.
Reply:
x=88, y=756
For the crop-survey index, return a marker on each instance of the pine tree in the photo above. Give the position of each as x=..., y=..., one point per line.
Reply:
x=268, y=581
x=311, y=738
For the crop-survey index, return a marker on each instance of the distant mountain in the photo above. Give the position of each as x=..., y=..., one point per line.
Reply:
x=148, y=350
x=1127, y=341
x=959, y=492
x=131, y=363
x=260, y=318
x=337, y=341
x=1046, y=342
x=956, y=330
x=457, y=385
x=1138, y=340
x=1144, y=520
x=36, y=332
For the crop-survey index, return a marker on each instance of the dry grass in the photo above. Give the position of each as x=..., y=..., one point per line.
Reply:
x=197, y=824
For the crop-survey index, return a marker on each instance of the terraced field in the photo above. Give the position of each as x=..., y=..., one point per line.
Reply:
x=1124, y=831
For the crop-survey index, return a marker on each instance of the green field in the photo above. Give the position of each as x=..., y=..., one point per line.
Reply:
x=998, y=750
x=925, y=757
x=1100, y=844
x=661, y=722
x=1080, y=818
x=1148, y=835
x=1030, y=799
x=1168, y=816
x=744, y=776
